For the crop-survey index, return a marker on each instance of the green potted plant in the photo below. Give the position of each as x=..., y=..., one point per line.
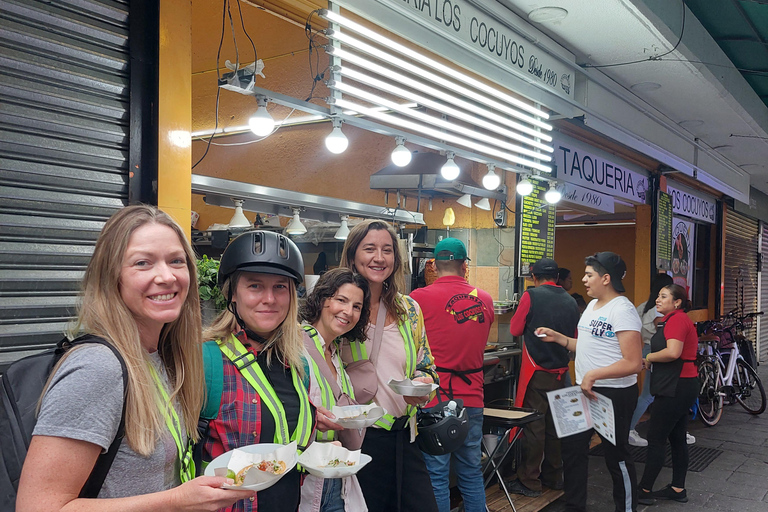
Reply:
x=212, y=301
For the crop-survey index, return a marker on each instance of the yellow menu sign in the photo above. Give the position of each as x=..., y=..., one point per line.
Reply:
x=537, y=227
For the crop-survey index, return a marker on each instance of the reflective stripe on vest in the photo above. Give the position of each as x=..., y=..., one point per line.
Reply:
x=358, y=350
x=186, y=463
x=245, y=362
x=326, y=393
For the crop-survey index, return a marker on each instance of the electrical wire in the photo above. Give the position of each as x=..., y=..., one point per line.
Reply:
x=242, y=24
x=651, y=58
x=234, y=38
x=316, y=48
x=218, y=89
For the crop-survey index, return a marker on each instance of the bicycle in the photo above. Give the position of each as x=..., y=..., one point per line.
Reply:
x=725, y=374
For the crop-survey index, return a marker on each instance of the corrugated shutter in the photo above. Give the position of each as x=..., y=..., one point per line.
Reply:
x=762, y=339
x=64, y=108
x=741, y=256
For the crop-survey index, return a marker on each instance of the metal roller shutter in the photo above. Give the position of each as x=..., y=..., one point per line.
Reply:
x=64, y=126
x=740, y=279
x=762, y=339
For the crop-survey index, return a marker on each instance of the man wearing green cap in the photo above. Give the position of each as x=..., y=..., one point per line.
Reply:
x=458, y=318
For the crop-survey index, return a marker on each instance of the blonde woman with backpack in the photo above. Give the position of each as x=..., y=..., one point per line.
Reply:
x=136, y=296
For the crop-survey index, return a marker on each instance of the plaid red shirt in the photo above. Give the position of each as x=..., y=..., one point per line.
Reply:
x=239, y=422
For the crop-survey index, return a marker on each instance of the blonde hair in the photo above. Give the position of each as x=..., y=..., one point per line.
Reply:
x=287, y=342
x=104, y=313
x=392, y=285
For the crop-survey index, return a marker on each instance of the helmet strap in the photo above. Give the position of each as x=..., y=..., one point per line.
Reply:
x=232, y=307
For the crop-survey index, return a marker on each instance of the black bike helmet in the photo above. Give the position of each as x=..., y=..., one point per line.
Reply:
x=264, y=252
x=440, y=434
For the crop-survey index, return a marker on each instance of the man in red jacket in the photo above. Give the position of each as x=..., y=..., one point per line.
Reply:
x=458, y=318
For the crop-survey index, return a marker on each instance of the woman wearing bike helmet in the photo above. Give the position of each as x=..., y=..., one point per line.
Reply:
x=396, y=478
x=674, y=385
x=337, y=306
x=267, y=400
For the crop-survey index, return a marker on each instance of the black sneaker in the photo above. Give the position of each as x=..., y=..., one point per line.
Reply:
x=518, y=487
x=668, y=493
x=644, y=497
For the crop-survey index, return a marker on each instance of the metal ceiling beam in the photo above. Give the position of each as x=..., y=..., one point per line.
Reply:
x=243, y=87
x=256, y=198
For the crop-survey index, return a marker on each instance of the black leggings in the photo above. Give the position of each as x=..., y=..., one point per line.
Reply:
x=669, y=420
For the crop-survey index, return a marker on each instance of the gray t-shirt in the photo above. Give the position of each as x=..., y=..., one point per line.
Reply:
x=85, y=401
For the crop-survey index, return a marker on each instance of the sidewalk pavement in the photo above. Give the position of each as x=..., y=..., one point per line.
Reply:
x=736, y=481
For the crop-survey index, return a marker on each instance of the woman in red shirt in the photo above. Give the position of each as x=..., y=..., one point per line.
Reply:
x=674, y=385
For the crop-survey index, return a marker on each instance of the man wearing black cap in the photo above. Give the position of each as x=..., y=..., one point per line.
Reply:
x=608, y=358
x=542, y=368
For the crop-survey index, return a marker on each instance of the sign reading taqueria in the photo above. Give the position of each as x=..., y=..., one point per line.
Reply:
x=587, y=167
x=695, y=205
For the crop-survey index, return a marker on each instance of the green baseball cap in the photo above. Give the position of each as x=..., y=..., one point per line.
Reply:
x=454, y=246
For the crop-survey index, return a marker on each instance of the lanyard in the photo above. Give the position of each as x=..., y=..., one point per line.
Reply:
x=187, y=465
x=249, y=368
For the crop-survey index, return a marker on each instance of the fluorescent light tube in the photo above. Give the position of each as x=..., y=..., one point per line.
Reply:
x=380, y=39
x=436, y=121
x=440, y=107
x=438, y=135
x=420, y=86
x=432, y=77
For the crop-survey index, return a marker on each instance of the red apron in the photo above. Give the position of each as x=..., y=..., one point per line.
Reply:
x=527, y=368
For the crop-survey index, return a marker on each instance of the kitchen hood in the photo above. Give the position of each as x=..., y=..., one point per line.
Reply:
x=421, y=177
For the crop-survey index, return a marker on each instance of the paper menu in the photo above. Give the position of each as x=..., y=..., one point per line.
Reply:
x=573, y=412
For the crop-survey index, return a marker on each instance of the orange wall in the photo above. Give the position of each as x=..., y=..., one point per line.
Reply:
x=572, y=245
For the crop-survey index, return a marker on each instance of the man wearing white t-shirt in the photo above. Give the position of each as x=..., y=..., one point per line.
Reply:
x=608, y=358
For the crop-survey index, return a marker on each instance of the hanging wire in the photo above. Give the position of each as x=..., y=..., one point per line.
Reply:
x=242, y=24
x=234, y=38
x=218, y=89
x=651, y=58
x=314, y=47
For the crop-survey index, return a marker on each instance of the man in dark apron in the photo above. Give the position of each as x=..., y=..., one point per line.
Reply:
x=542, y=369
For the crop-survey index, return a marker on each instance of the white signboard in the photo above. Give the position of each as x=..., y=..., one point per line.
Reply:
x=462, y=23
x=585, y=199
x=692, y=204
x=584, y=166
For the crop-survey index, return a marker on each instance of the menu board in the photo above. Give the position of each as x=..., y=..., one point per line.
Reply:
x=537, y=227
x=663, y=231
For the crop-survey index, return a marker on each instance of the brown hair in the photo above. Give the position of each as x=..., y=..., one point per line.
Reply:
x=104, y=313
x=326, y=287
x=393, y=283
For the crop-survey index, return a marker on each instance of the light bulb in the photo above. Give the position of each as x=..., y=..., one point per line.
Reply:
x=524, y=187
x=239, y=220
x=450, y=171
x=491, y=181
x=336, y=141
x=401, y=156
x=553, y=195
x=343, y=232
x=295, y=226
x=261, y=123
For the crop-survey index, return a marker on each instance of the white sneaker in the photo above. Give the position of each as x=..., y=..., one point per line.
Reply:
x=635, y=439
x=688, y=438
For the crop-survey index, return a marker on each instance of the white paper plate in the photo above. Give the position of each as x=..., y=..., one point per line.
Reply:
x=407, y=387
x=315, y=460
x=218, y=466
x=352, y=416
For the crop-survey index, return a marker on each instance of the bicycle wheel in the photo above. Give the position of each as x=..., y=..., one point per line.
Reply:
x=710, y=399
x=749, y=390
